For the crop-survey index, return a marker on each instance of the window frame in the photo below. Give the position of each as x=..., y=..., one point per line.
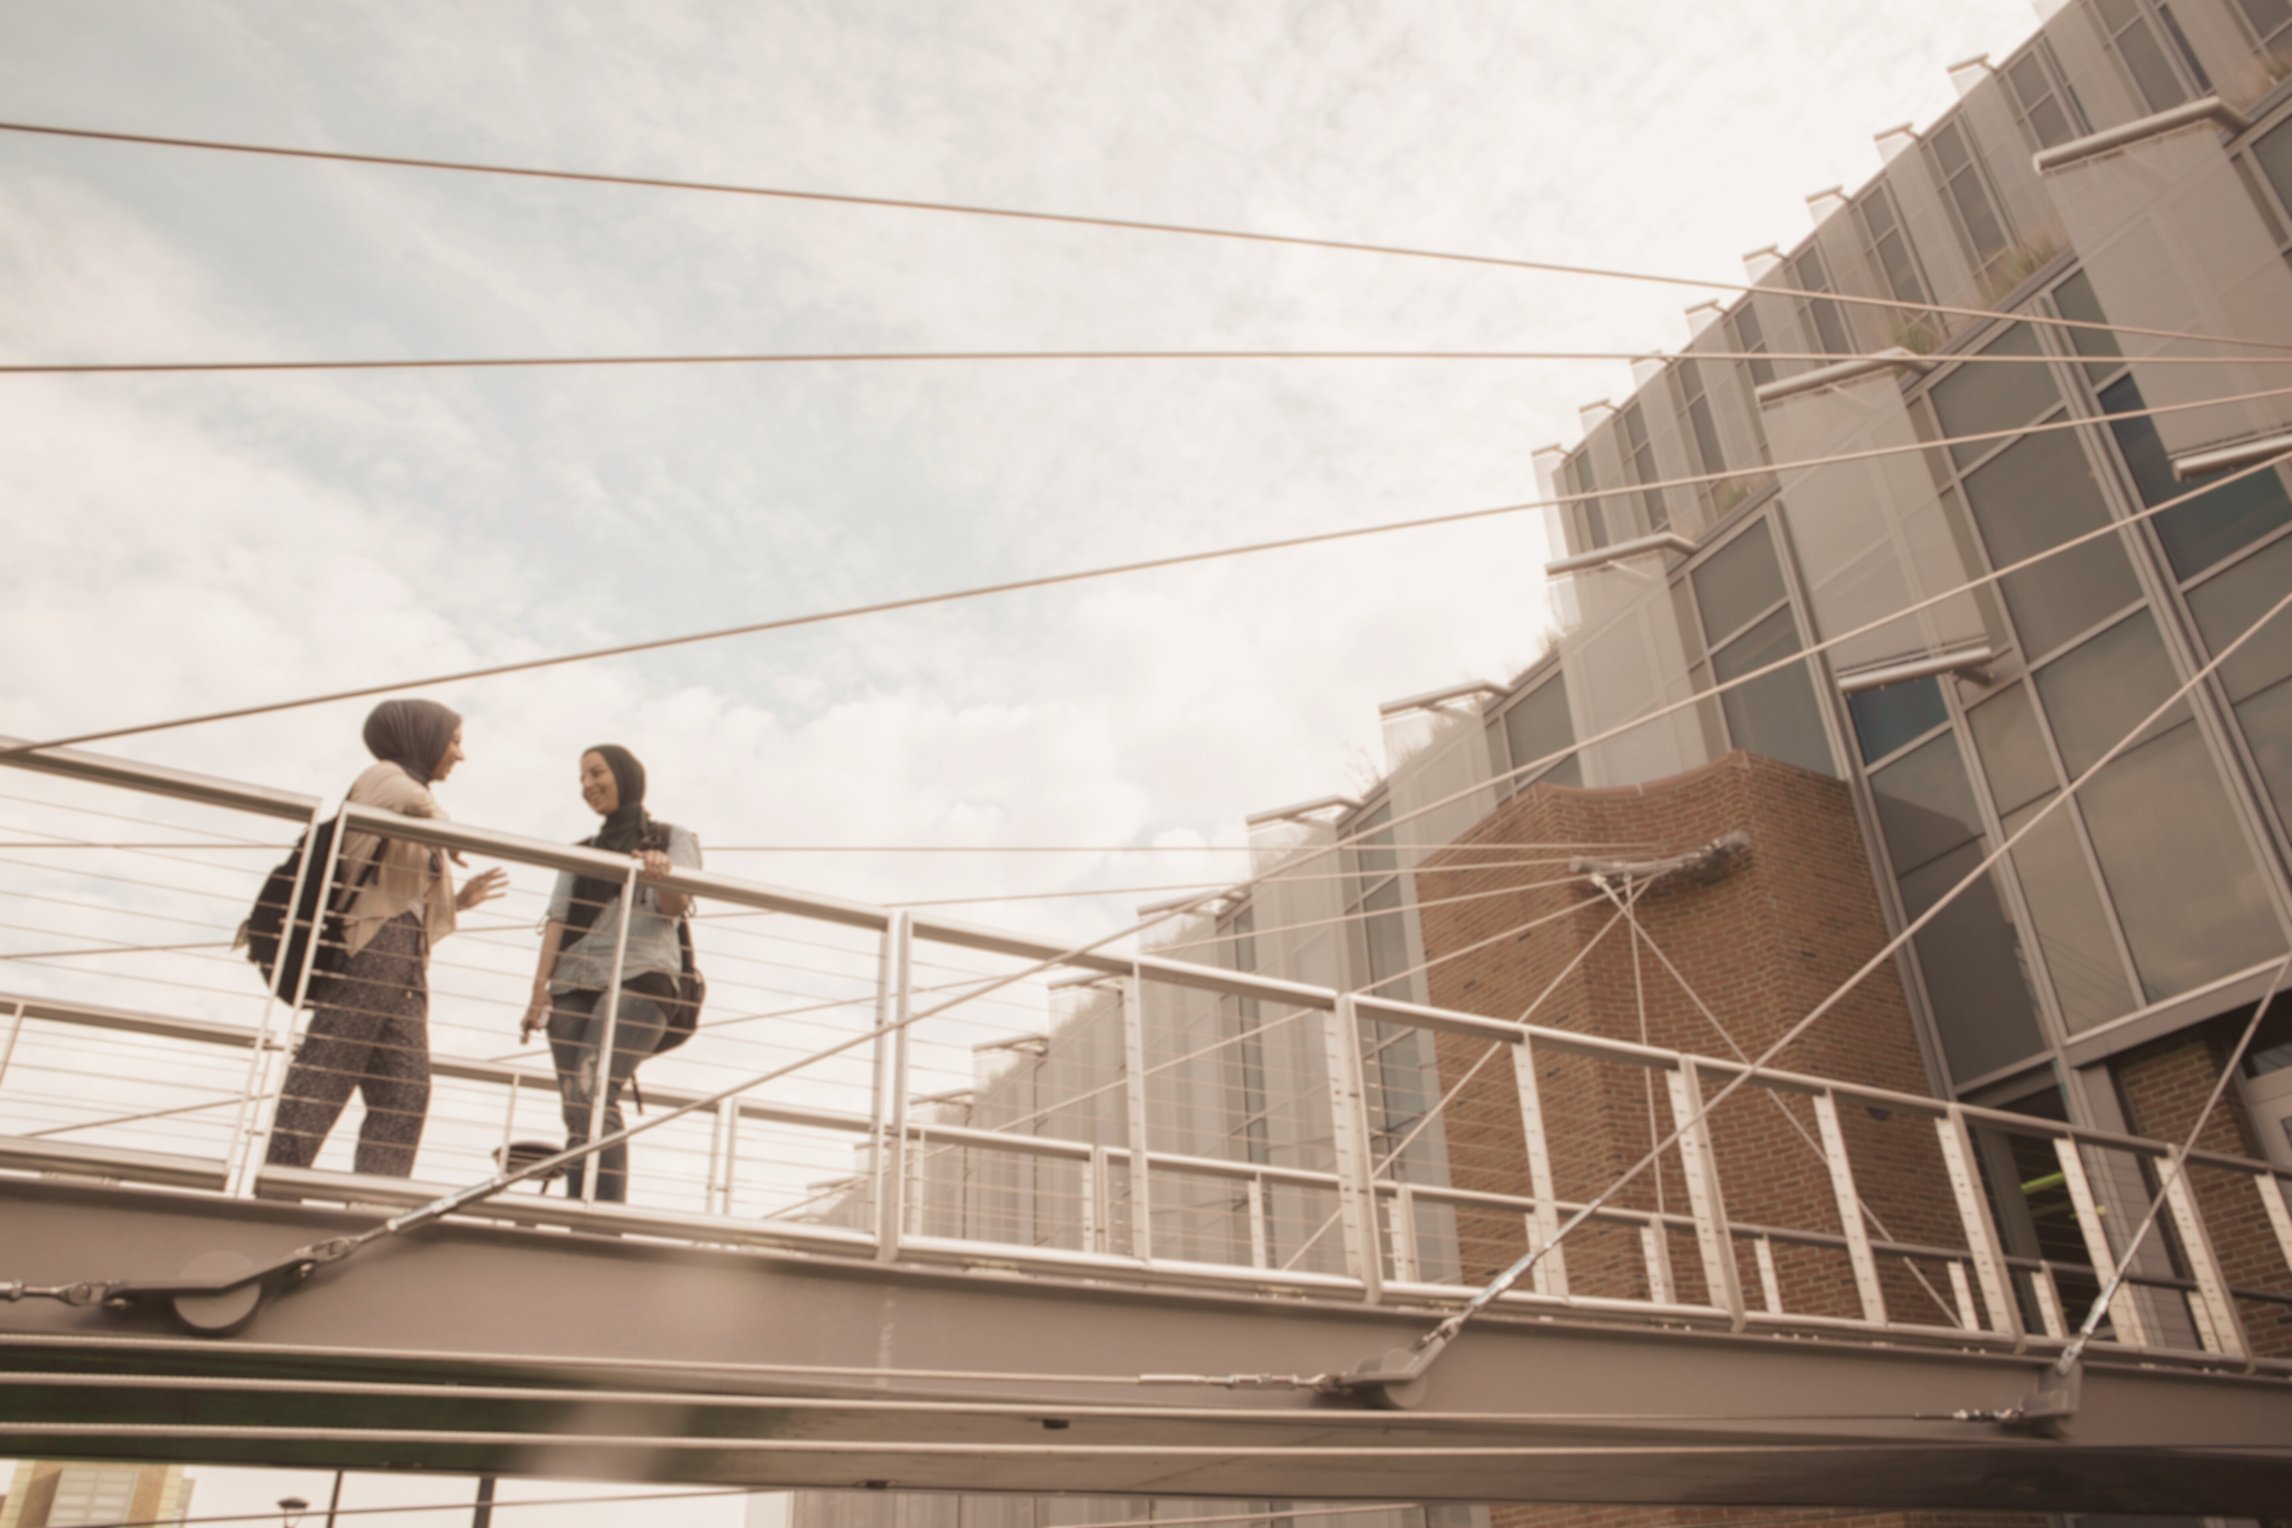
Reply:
x=1975, y=174
x=1882, y=195
x=2057, y=88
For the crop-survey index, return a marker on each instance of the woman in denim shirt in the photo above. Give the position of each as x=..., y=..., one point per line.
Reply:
x=577, y=959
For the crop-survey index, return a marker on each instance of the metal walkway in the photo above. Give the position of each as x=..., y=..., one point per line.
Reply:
x=824, y=1278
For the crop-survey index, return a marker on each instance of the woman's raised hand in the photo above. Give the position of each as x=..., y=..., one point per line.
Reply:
x=482, y=888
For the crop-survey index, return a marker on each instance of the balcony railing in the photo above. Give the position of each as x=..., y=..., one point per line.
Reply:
x=1003, y=1100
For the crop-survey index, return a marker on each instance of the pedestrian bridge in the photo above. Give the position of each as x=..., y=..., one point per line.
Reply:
x=926, y=1205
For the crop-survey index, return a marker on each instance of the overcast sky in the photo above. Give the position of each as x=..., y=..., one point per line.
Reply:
x=181, y=544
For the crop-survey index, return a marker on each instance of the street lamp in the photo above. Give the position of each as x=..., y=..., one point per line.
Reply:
x=291, y=1509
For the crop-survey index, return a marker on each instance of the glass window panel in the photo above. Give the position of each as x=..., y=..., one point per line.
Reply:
x=2203, y=531
x=2226, y=605
x=2268, y=17
x=1539, y=726
x=2073, y=932
x=2074, y=297
x=1891, y=715
x=1751, y=339
x=2011, y=749
x=1368, y=858
x=1821, y=315
x=2144, y=56
x=2098, y=692
x=2189, y=59
x=1994, y=395
x=2266, y=720
x=1775, y=716
x=1972, y=964
x=1925, y=804
x=2182, y=877
x=2036, y=494
x=1961, y=177
x=2041, y=104
x=1738, y=583
x=2273, y=153
x=1595, y=519
x=1385, y=938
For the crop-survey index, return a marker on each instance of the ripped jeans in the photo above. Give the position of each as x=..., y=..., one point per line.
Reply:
x=576, y=1030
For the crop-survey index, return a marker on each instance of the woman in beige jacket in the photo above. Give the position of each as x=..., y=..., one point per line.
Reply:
x=371, y=1032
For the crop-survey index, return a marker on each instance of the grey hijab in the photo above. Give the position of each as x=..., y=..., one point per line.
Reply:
x=412, y=734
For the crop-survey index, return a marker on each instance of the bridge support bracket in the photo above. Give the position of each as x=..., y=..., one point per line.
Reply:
x=2049, y=1410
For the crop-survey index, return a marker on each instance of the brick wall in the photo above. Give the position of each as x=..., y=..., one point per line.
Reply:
x=2164, y=1086
x=1793, y=915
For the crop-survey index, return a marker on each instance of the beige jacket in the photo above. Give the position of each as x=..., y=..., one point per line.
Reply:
x=409, y=870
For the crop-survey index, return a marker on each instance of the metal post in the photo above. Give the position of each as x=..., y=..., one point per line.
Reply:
x=2048, y=1302
x=509, y=1119
x=1401, y=1210
x=1349, y=1124
x=251, y=1127
x=2277, y=1206
x=481, y=1515
x=1655, y=1247
x=602, y=1087
x=2131, y=1328
x=894, y=977
x=1850, y=1210
x=1770, y=1286
x=334, y=1500
x=1700, y=1166
x=2215, y=1311
x=1133, y=1017
x=1962, y=1290
x=1258, y=1250
x=1974, y=1218
x=723, y=1153
x=1550, y=1275
x=15, y=1028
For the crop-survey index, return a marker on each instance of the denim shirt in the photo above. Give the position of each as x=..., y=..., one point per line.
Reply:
x=588, y=961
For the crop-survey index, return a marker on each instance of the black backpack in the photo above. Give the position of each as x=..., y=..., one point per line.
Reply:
x=268, y=928
x=683, y=1011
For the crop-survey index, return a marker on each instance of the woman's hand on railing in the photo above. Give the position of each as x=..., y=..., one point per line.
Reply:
x=482, y=888
x=652, y=864
x=536, y=1013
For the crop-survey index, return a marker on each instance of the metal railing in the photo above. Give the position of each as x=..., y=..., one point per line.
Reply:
x=1019, y=1104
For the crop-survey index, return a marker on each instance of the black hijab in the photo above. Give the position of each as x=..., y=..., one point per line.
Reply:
x=623, y=830
x=412, y=734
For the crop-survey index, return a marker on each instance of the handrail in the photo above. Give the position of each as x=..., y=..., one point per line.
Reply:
x=208, y=790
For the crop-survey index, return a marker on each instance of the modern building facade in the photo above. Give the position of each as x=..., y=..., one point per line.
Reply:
x=52, y=1493
x=1967, y=534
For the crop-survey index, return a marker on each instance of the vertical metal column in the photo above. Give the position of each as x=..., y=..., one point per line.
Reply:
x=1550, y=1275
x=723, y=1154
x=258, y=1101
x=509, y=1119
x=1255, y=1204
x=894, y=989
x=2125, y=1309
x=1981, y=1232
x=1850, y=1210
x=1401, y=1211
x=1349, y=1125
x=2277, y=1206
x=15, y=1028
x=1133, y=1017
x=1700, y=1166
x=2215, y=1310
x=602, y=1085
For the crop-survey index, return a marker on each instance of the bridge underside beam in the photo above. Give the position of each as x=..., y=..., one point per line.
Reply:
x=481, y=1348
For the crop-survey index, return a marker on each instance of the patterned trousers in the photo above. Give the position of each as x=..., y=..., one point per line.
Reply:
x=372, y=1034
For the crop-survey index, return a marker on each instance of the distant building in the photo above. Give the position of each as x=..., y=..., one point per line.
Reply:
x=2130, y=166
x=58, y=1493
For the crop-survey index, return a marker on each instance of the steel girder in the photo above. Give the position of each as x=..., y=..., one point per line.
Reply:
x=477, y=1348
